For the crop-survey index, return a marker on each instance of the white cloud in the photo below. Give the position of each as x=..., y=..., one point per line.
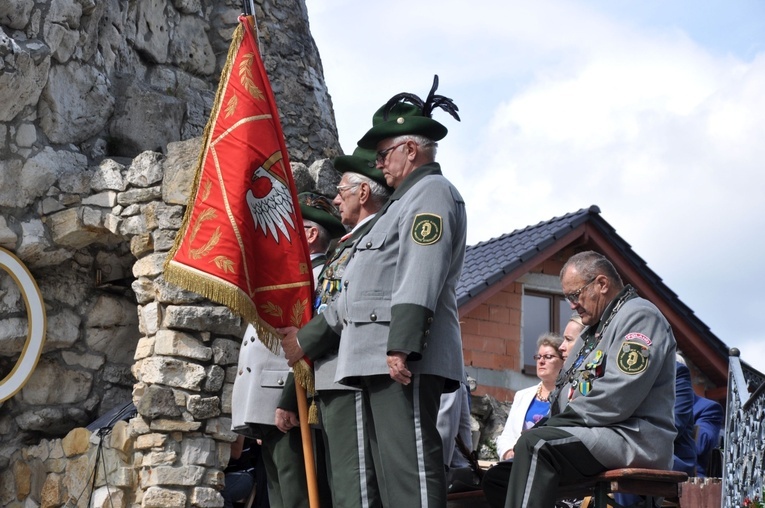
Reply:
x=564, y=106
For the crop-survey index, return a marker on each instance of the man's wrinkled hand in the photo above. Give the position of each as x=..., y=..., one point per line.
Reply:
x=397, y=368
x=285, y=420
x=290, y=345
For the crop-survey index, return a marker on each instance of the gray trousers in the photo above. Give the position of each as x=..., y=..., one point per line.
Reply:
x=285, y=468
x=351, y=470
x=406, y=446
x=544, y=458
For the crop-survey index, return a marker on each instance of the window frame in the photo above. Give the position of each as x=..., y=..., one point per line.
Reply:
x=541, y=286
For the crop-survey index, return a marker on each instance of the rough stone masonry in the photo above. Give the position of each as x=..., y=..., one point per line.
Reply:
x=102, y=105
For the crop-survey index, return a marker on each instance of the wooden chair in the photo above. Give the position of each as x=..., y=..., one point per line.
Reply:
x=250, y=499
x=652, y=484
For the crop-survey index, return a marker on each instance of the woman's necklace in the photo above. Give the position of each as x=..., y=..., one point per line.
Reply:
x=546, y=398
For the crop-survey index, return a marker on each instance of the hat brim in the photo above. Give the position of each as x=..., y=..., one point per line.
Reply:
x=402, y=126
x=353, y=164
x=333, y=225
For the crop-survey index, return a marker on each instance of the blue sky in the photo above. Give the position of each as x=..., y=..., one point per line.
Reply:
x=654, y=111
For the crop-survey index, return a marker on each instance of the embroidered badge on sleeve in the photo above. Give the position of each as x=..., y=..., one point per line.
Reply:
x=426, y=228
x=633, y=357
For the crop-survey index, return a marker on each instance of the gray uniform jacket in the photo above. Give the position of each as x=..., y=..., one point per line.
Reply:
x=399, y=288
x=323, y=349
x=260, y=379
x=318, y=341
x=622, y=405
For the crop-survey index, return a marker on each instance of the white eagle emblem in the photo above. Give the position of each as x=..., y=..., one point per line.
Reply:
x=270, y=203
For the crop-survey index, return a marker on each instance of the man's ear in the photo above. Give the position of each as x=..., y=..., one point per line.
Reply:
x=311, y=234
x=413, y=150
x=604, y=283
x=364, y=192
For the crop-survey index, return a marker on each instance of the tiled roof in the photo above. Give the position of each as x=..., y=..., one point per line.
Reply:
x=487, y=262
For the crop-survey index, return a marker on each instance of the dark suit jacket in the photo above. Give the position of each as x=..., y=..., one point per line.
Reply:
x=708, y=417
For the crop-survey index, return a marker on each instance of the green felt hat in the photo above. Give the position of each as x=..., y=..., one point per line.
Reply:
x=320, y=210
x=397, y=118
x=362, y=162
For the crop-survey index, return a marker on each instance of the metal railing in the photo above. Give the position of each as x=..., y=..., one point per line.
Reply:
x=744, y=446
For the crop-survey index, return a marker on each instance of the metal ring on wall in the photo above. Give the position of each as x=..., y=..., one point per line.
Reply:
x=36, y=325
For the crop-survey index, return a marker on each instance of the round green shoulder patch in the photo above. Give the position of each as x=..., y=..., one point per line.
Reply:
x=426, y=229
x=633, y=358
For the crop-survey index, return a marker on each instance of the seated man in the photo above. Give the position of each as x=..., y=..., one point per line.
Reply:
x=621, y=386
x=708, y=417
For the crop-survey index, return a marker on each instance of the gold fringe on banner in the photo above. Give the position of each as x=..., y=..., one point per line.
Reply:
x=236, y=41
x=304, y=377
x=184, y=277
x=217, y=290
x=230, y=296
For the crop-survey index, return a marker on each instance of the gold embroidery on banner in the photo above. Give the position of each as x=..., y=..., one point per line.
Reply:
x=206, y=248
x=272, y=309
x=245, y=76
x=208, y=214
x=297, y=312
x=282, y=286
x=231, y=105
x=225, y=264
x=206, y=188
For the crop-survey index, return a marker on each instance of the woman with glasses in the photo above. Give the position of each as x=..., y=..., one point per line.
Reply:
x=532, y=404
x=529, y=406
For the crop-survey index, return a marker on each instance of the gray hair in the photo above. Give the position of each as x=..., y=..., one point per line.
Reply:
x=379, y=192
x=590, y=264
x=427, y=146
x=576, y=318
x=550, y=339
x=322, y=242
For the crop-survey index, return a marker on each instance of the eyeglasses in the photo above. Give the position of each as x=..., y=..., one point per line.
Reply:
x=574, y=297
x=546, y=357
x=343, y=188
x=383, y=154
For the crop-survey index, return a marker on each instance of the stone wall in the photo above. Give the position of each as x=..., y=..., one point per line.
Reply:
x=101, y=108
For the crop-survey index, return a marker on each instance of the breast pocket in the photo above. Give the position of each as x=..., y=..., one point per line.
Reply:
x=370, y=311
x=371, y=242
x=273, y=378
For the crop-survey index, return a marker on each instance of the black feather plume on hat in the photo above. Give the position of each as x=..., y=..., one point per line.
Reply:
x=432, y=102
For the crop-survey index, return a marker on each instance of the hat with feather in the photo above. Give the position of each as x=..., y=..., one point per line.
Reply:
x=319, y=209
x=406, y=113
x=362, y=162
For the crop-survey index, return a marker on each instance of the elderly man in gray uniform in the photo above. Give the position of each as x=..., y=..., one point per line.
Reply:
x=620, y=388
x=261, y=377
x=361, y=193
x=397, y=310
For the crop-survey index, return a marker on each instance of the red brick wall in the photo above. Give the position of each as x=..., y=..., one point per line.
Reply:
x=491, y=333
x=491, y=337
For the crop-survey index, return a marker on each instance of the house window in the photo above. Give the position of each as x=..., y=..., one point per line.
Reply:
x=542, y=313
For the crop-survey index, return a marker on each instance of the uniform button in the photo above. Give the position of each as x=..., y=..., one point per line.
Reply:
x=249, y=369
x=425, y=345
x=245, y=343
x=430, y=319
x=373, y=316
x=280, y=382
x=241, y=372
x=345, y=283
x=427, y=332
x=252, y=339
x=369, y=245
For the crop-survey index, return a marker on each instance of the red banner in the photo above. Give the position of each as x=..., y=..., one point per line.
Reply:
x=242, y=242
